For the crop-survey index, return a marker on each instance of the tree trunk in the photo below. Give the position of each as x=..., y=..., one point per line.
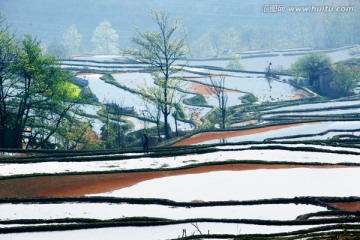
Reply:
x=176, y=128
x=166, y=127
x=158, y=130
x=17, y=138
x=6, y=138
x=223, y=113
x=166, y=110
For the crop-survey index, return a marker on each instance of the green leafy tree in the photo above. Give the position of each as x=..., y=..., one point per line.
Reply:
x=161, y=49
x=248, y=34
x=203, y=47
x=57, y=49
x=114, y=129
x=231, y=40
x=105, y=39
x=71, y=40
x=74, y=134
x=34, y=99
x=113, y=135
x=310, y=64
x=209, y=44
x=338, y=28
x=9, y=55
x=345, y=79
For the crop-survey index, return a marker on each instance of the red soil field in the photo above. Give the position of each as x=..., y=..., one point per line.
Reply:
x=203, y=89
x=346, y=206
x=202, y=137
x=80, y=185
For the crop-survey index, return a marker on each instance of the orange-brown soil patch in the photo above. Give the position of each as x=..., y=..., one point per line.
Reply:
x=203, y=137
x=204, y=89
x=80, y=185
x=347, y=206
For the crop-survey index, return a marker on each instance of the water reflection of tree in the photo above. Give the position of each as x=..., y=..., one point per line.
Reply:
x=223, y=140
x=269, y=80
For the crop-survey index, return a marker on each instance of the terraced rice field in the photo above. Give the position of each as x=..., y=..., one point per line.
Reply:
x=248, y=183
x=231, y=190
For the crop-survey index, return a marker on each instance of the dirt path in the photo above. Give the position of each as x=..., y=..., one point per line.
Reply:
x=80, y=185
x=203, y=137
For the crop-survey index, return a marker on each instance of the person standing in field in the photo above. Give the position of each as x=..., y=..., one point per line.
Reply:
x=146, y=144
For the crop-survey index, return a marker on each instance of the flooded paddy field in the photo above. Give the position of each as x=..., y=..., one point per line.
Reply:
x=224, y=198
x=236, y=189
x=269, y=132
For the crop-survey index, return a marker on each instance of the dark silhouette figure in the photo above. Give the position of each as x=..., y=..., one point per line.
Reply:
x=269, y=71
x=146, y=143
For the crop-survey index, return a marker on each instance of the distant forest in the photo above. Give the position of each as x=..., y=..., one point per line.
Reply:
x=214, y=27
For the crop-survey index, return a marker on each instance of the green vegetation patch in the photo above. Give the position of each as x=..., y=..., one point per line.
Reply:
x=74, y=89
x=249, y=98
x=197, y=100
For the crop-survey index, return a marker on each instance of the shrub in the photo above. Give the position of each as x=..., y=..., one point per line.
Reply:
x=235, y=63
x=344, y=80
x=249, y=98
x=197, y=100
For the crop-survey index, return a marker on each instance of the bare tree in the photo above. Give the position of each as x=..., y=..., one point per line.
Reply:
x=161, y=49
x=217, y=89
x=152, y=105
x=154, y=100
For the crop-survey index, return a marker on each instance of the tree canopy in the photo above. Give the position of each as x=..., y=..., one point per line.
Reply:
x=310, y=64
x=161, y=49
x=35, y=99
x=105, y=39
x=345, y=79
x=72, y=40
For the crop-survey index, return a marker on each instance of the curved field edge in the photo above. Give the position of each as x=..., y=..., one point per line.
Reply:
x=346, y=222
x=339, y=232
x=316, y=201
x=188, y=167
x=313, y=135
x=76, y=224
x=279, y=123
x=166, y=152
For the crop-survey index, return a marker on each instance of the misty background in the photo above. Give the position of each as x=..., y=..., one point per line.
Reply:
x=214, y=27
